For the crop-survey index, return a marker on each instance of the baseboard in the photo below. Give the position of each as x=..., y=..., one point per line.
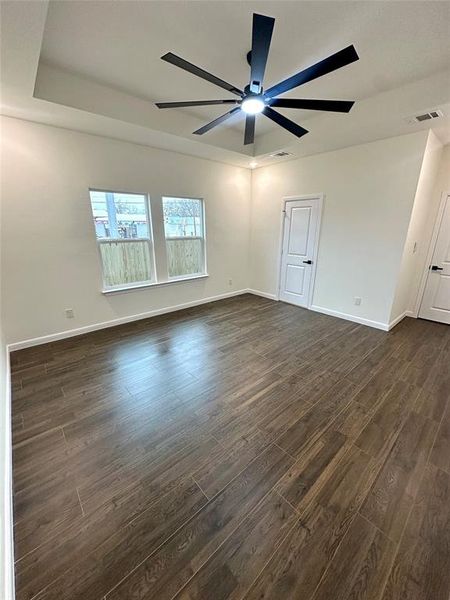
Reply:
x=407, y=313
x=53, y=337
x=397, y=320
x=354, y=318
x=7, y=538
x=263, y=294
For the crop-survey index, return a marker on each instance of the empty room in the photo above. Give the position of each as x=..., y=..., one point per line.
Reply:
x=225, y=300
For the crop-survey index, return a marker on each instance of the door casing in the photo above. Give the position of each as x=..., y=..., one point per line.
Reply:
x=308, y=197
x=432, y=245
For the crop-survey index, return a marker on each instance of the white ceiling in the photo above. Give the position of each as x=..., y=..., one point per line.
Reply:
x=103, y=58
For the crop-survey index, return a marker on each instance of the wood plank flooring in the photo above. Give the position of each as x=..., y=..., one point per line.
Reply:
x=244, y=449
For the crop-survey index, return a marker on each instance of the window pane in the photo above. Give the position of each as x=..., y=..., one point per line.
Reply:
x=183, y=227
x=125, y=262
x=119, y=216
x=183, y=217
x=184, y=257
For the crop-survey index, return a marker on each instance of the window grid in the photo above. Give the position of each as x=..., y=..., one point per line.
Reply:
x=184, y=256
x=121, y=269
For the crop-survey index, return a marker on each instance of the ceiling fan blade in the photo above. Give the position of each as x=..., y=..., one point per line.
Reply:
x=249, y=135
x=261, y=37
x=216, y=122
x=187, y=66
x=194, y=103
x=284, y=122
x=343, y=106
x=327, y=65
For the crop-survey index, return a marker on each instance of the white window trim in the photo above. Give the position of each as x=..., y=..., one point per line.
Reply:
x=109, y=240
x=171, y=281
x=204, y=273
x=184, y=237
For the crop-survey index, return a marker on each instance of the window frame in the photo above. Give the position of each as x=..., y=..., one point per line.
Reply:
x=204, y=272
x=150, y=242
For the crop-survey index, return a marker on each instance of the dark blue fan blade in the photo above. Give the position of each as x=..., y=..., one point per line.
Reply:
x=216, y=122
x=343, y=106
x=194, y=103
x=327, y=65
x=284, y=122
x=261, y=37
x=187, y=66
x=249, y=136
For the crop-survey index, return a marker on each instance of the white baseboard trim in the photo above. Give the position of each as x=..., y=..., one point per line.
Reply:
x=347, y=317
x=394, y=322
x=53, y=337
x=263, y=294
x=6, y=519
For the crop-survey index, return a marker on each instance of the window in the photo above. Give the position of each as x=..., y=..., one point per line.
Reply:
x=130, y=255
x=123, y=230
x=184, y=233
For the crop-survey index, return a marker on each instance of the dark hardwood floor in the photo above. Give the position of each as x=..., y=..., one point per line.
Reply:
x=245, y=449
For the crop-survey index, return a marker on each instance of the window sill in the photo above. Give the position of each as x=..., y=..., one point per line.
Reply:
x=138, y=286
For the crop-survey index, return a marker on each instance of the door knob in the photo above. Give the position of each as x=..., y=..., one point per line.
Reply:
x=433, y=268
x=308, y=262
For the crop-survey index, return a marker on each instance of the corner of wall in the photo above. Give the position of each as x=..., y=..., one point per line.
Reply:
x=415, y=248
x=6, y=504
x=6, y=488
x=6, y=501
x=250, y=232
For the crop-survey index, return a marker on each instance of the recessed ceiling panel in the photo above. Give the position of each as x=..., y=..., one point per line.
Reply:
x=119, y=44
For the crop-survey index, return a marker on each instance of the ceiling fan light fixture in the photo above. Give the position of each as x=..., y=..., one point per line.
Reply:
x=253, y=105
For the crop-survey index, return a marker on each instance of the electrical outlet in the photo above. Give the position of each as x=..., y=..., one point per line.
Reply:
x=230, y=282
x=69, y=313
x=357, y=300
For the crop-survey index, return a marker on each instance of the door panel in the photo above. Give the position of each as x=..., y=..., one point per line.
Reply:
x=299, y=241
x=295, y=280
x=436, y=298
x=442, y=297
x=298, y=232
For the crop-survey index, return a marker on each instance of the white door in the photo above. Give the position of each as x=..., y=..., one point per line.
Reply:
x=300, y=231
x=436, y=298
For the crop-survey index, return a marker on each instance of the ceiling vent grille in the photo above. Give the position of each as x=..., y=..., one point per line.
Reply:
x=281, y=154
x=428, y=116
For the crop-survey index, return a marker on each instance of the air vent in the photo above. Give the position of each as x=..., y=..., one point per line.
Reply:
x=280, y=154
x=428, y=116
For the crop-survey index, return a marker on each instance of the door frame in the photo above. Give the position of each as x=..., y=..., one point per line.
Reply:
x=305, y=197
x=431, y=248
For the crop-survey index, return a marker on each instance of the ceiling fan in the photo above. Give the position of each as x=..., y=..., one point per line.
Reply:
x=254, y=99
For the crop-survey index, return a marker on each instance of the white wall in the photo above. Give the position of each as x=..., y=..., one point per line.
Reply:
x=6, y=521
x=423, y=216
x=441, y=186
x=369, y=193
x=50, y=255
x=6, y=527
